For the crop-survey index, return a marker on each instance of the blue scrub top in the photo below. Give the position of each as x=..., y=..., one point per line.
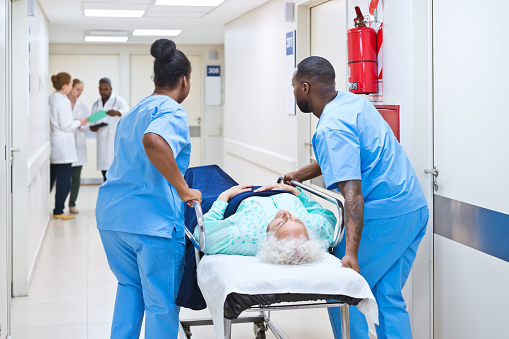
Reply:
x=353, y=142
x=137, y=198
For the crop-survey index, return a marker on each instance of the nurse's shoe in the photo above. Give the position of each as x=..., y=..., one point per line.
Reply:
x=73, y=210
x=63, y=216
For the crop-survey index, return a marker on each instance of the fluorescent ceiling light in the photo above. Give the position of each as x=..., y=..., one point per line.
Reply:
x=157, y=32
x=114, y=13
x=210, y=3
x=95, y=38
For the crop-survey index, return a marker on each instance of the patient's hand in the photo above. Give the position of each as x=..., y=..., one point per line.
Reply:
x=230, y=193
x=281, y=187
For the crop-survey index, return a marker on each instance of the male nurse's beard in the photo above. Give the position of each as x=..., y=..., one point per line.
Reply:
x=303, y=106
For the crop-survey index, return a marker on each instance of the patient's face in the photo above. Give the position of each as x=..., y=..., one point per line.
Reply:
x=285, y=225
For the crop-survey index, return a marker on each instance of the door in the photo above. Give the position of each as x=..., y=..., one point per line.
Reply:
x=471, y=147
x=328, y=30
x=142, y=70
x=5, y=177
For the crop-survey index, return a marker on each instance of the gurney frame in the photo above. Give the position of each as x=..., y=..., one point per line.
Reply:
x=262, y=321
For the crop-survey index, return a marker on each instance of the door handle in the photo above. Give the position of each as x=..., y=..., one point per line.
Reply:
x=434, y=172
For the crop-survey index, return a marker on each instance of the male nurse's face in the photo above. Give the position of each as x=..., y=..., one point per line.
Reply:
x=105, y=91
x=299, y=96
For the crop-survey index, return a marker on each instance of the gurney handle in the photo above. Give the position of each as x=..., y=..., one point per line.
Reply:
x=339, y=233
x=200, y=245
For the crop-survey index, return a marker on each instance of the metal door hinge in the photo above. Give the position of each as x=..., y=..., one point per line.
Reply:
x=434, y=172
x=13, y=150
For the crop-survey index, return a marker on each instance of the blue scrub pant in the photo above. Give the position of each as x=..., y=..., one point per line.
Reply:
x=149, y=270
x=386, y=255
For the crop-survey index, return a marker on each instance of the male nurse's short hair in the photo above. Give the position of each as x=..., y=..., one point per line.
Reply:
x=316, y=69
x=105, y=81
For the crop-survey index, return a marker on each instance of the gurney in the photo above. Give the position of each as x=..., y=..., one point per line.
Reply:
x=232, y=284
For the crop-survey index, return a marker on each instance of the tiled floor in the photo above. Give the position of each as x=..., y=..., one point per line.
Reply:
x=73, y=290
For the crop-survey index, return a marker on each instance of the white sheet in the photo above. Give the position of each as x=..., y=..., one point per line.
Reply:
x=220, y=275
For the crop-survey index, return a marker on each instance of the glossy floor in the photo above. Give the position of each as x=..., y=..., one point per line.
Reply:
x=73, y=290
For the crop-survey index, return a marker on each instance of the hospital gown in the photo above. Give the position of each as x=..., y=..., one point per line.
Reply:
x=243, y=231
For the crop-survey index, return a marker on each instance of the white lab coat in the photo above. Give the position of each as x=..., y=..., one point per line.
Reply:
x=62, y=126
x=80, y=111
x=106, y=135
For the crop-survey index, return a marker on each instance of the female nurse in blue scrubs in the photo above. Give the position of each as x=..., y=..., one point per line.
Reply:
x=385, y=210
x=140, y=207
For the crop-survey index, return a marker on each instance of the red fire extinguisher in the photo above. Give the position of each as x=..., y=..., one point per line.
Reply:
x=362, y=60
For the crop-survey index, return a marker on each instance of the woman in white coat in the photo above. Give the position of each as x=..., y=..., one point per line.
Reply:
x=79, y=111
x=63, y=149
x=115, y=106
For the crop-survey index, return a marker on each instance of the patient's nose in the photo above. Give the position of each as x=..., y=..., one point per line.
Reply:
x=285, y=215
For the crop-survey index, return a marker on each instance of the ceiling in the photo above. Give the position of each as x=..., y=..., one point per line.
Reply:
x=199, y=25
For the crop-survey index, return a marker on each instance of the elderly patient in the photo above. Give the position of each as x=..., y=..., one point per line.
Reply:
x=285, y=228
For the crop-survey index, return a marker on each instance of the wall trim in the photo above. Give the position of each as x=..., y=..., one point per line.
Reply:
x=32, y=267
x=37, y=160
x=272, y=161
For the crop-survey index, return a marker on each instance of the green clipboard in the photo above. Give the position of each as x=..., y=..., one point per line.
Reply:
x=97, y=116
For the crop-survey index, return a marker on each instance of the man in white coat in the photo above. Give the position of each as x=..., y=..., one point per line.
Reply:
x=115, y=106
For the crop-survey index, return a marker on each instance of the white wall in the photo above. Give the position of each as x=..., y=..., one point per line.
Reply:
x=212, y=116
x=260, y=138
x=31, y=136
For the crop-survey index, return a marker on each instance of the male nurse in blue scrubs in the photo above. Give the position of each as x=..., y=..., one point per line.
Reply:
x=385, y=210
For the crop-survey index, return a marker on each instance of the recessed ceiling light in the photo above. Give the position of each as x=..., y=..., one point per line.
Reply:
x=157, y=32
x=211, y=3
x=92, y=38
x=114, y=13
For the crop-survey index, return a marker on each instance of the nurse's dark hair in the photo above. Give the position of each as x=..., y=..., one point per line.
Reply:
x=60, y=79
x=76, y=82
x=316, y=69
x=170, y=64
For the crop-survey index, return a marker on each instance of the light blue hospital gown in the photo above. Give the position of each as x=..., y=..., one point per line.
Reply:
x=243, y=231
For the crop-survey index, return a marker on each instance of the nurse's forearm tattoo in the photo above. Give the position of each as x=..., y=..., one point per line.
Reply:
x=354, y=213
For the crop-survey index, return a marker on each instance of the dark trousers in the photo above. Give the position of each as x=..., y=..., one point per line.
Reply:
x=75, y=185
x=104, y=175
x=62, y=174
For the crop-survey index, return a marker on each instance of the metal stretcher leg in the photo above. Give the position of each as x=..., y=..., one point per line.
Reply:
x=227, y=328
x=345, y=322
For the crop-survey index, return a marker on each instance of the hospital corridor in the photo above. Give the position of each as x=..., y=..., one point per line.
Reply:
x=234, y=169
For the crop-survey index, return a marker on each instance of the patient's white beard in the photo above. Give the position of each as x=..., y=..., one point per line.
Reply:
x=290, y=251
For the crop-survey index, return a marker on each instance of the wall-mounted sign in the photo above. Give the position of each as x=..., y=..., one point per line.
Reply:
x=213, y=86
x=290, y=67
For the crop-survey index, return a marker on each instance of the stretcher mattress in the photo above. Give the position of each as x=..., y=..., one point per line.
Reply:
x=232, y=283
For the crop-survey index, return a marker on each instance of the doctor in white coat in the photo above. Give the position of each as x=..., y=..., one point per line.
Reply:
x=79, y=111
x=63, y=149
x=115, y=106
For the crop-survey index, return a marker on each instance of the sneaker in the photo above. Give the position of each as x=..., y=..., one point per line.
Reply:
x=63, y=216
x=73, y=210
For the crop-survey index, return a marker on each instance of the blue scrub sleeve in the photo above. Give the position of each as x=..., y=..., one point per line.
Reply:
x=338, y=154
x=172, y=127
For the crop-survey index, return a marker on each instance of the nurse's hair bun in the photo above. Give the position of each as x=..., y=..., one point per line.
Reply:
x=163, y=50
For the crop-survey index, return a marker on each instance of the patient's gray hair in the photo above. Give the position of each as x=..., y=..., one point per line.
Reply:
x=290, y=251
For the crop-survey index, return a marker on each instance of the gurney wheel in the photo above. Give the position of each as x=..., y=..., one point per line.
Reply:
x=259, y=330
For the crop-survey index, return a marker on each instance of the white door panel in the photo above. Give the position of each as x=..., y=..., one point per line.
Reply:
x=471, y=147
